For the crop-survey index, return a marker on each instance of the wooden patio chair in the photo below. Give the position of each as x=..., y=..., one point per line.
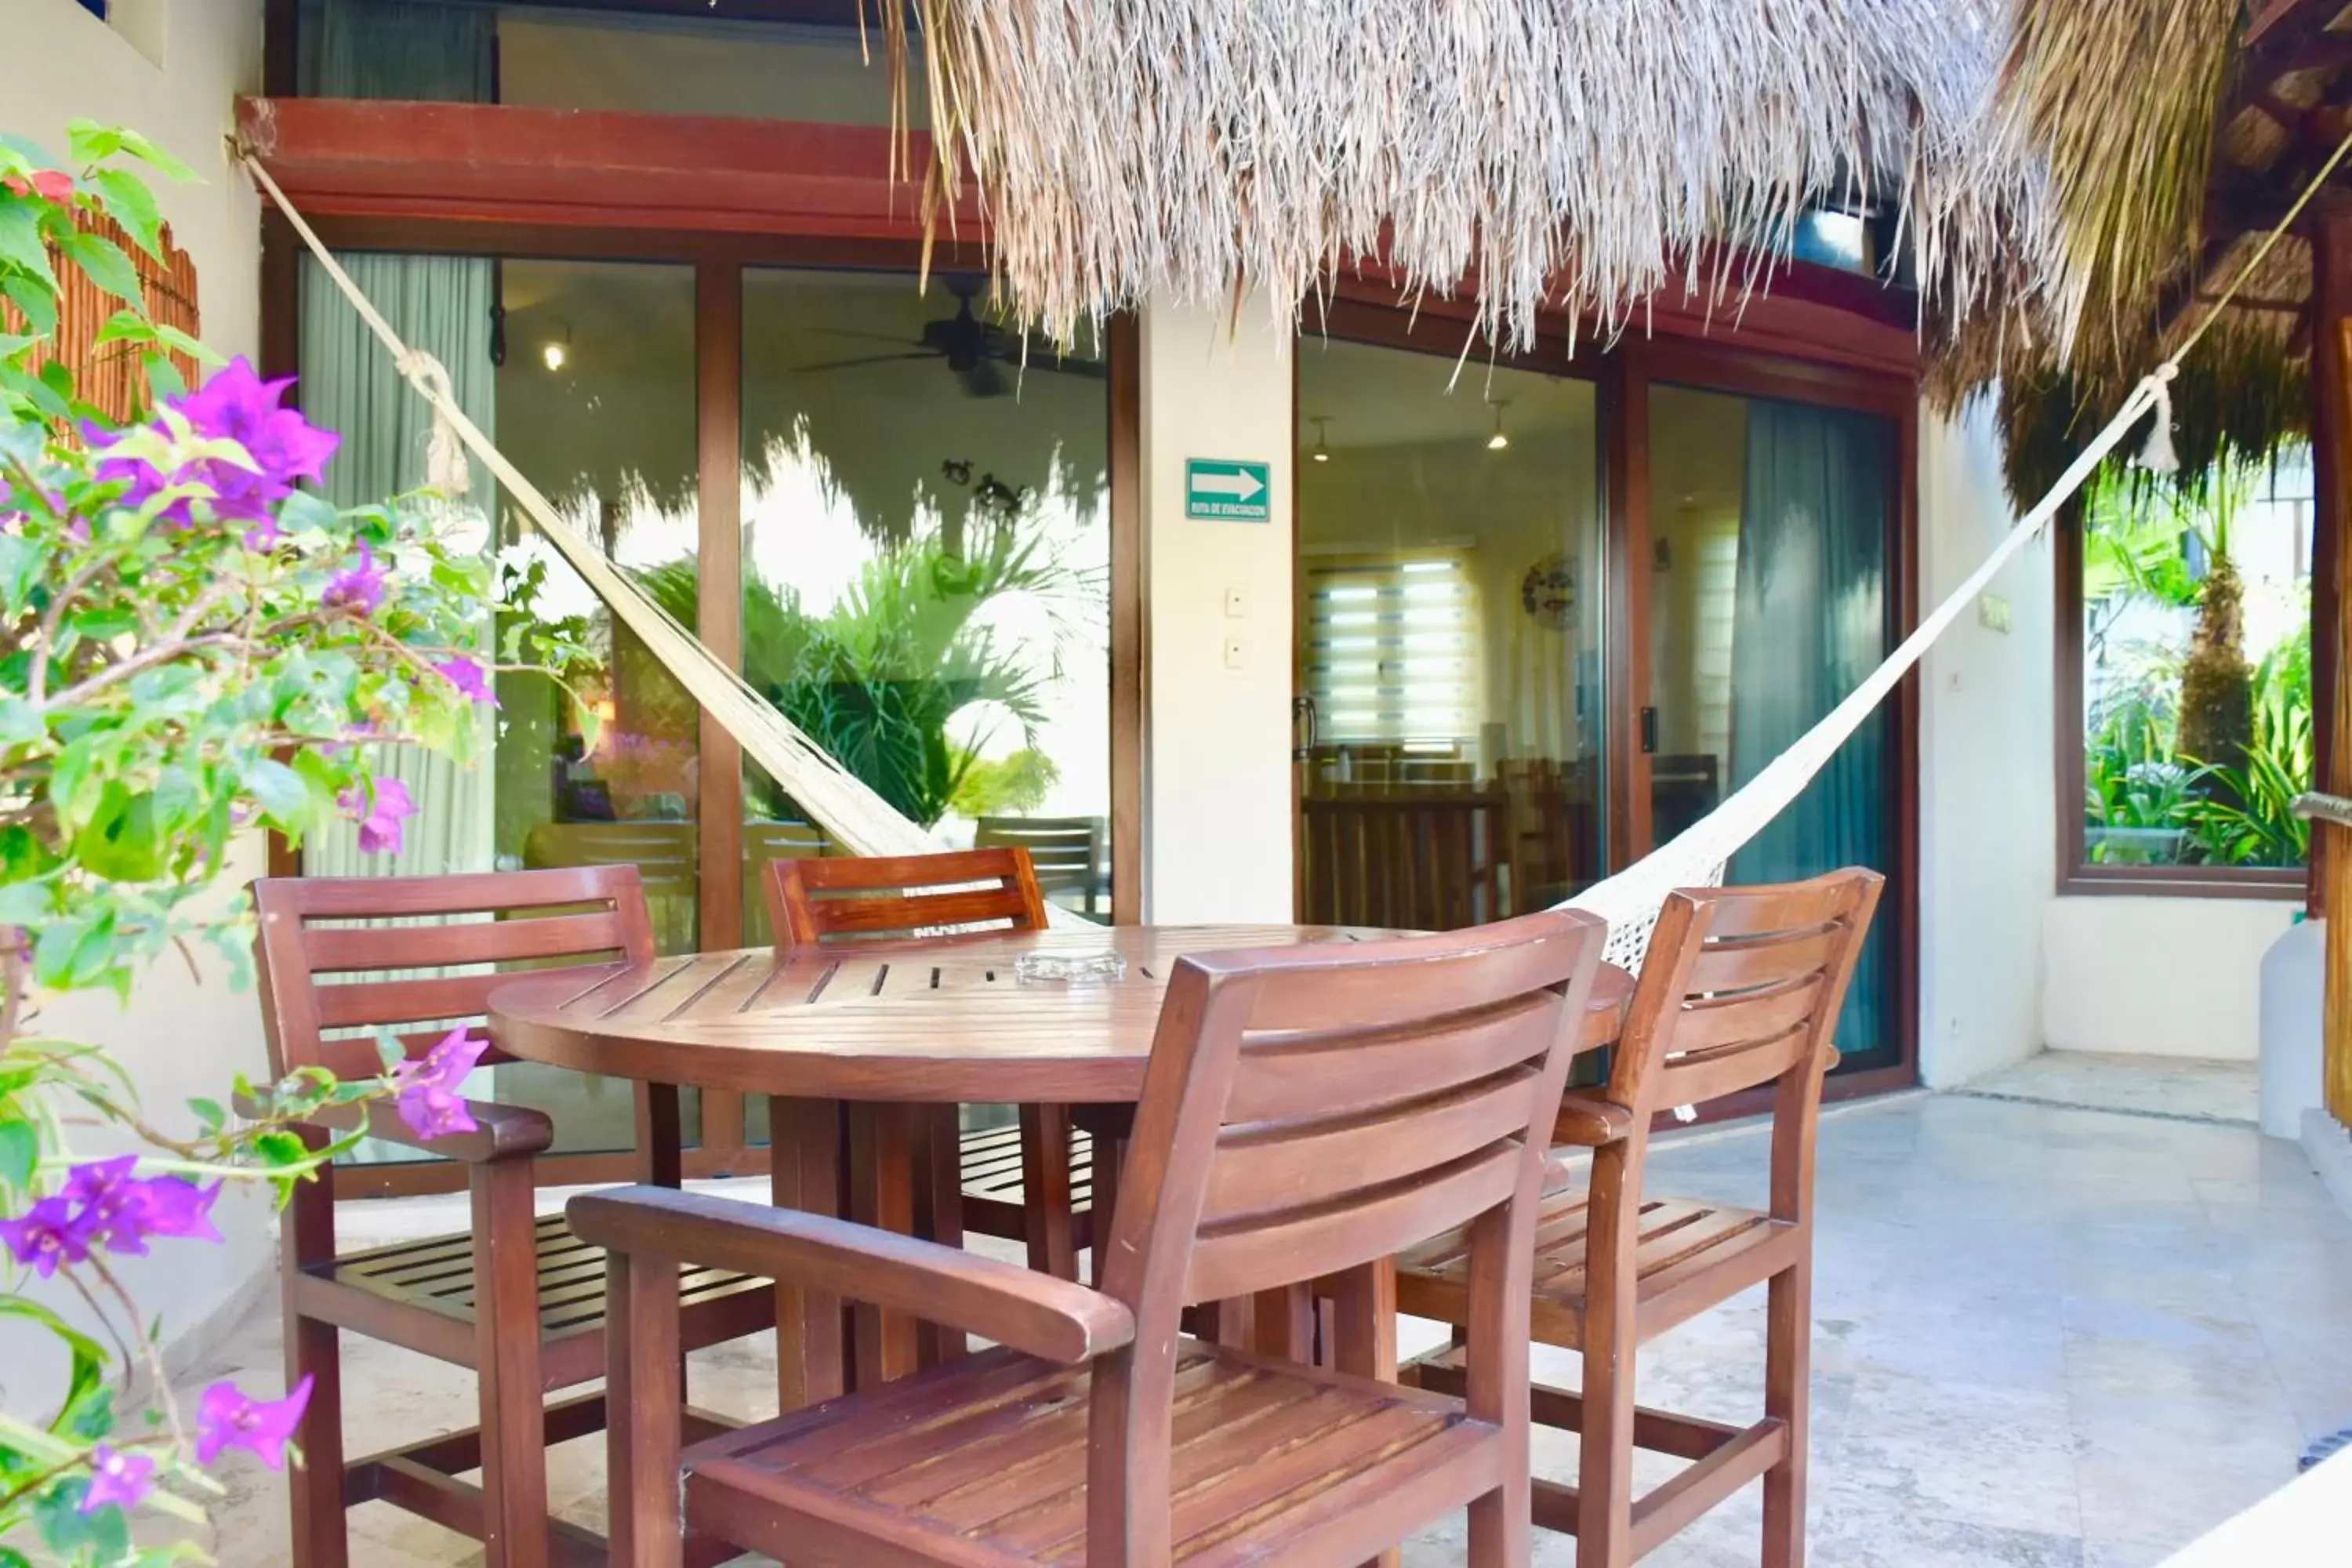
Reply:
x=1307, y=1111
x=1741, y=987
x=1066, y=852
x=517, y=1298
x=1033, y=1183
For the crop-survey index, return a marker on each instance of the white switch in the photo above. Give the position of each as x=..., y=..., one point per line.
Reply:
x=1233, y=653
x=1236, y=608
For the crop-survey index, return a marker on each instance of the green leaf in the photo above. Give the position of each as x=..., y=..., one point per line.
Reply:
x=20, y=1151
x=105, y=1534
x=20, y=722
x=92, y=141
x=209, y=1112
x=103, y=263
x=21, y=246
x=127, y=200
x=278, y=1148
x=124, y=327
x=36, y=301
x=277, y=789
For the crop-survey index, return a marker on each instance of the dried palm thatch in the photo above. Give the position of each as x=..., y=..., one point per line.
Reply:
x=1576, y=155
x=2129, y=177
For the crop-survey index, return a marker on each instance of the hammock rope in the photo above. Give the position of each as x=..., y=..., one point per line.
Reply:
x=867, y=825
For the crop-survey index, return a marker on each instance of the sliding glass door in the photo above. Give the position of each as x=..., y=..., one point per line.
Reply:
x=1450, y=639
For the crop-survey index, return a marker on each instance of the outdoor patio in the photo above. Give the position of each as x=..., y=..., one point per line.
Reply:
x=2045, y=1336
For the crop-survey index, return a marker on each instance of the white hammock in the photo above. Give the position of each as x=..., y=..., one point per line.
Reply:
x=865, y=824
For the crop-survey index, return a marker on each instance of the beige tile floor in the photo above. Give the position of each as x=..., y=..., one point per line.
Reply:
x=2045, y=1337
x=2153, y=1085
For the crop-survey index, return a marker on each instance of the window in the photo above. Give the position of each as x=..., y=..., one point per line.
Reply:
x=1392, y=652
x=2192, y=612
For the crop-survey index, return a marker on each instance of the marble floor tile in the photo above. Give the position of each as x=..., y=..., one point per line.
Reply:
x=2044, y=1337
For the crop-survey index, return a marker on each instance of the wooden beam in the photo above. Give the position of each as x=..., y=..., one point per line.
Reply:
x=2329, y=887
x=501, y=163
x=2267, y=17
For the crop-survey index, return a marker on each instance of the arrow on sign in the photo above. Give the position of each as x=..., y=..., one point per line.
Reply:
x=1243, y=486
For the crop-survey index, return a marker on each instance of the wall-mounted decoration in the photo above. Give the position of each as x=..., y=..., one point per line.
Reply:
x=1548, y=592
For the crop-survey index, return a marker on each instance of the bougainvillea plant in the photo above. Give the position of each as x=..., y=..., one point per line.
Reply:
x=193, y=647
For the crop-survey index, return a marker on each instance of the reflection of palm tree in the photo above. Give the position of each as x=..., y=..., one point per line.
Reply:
x=878, y=679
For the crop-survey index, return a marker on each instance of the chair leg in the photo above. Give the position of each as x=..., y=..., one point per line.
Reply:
x=1604, y=1510
x=321, y=1528
x=1046, y=1185
x=1788, y=1380
x=643, y=1396
x=506, y=1327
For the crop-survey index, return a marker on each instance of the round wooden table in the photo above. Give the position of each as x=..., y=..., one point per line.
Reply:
x=851, y=1043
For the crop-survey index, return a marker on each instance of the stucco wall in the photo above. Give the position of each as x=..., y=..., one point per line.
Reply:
x=180, y=1035
x=1986, y=799
x=1217, y=770
x=2165, y=977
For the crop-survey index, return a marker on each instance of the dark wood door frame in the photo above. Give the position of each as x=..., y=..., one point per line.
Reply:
x=1860, y=369
x=720, y=261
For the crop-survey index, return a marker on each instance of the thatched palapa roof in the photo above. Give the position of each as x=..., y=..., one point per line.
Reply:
x=1561, y=154
x=2078, y=179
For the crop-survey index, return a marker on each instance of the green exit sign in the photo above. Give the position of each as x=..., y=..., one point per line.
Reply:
x=1227, y=489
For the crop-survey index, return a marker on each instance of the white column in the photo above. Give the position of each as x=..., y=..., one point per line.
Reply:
x=1217, y=731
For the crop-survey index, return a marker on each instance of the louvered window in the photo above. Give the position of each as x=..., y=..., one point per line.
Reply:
x=1392, y=649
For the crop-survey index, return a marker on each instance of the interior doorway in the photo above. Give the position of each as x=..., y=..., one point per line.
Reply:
x=1451, y=644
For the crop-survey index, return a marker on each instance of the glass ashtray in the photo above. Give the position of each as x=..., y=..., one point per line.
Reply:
x=1068, y=968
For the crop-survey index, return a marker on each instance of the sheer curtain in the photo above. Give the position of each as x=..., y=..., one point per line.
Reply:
x=442, y=305
x=1809, y=622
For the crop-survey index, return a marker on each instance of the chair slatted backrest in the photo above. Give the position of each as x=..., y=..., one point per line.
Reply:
x=1742, y=987
x=961, y=891
x=323, y=972
x=1065, y=852
x=1311, y=1109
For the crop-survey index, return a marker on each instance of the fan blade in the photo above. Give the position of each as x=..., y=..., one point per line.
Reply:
x=867, y=359
x=870, y=337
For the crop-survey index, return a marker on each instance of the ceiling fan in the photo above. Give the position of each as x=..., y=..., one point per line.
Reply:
x=976, y=352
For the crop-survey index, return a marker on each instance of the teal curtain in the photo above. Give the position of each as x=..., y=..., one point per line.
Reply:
x=405, y=49
x=1810, y=622
x=442, y=306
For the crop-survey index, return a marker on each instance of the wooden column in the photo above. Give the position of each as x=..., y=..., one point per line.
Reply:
x=2331, y=453
x=718, y=622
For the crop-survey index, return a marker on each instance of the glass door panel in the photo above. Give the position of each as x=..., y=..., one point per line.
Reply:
x=927, y=570
x=1450, y=632
x=583, y=374
x=1770, y=598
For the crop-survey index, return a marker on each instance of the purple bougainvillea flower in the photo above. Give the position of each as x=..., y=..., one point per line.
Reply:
x=121, y=1211
x=431, y=1099
x=380, y=818
x=469, y=678
x=117, y=1479
x=51, y=1233
x=359, y=587
x=228, y=1418
x=237, y=405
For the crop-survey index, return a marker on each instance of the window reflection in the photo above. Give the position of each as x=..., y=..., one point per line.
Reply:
x=926, y=553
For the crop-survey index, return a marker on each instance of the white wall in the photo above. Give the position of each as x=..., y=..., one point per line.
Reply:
x=179, y=1037
x=2165, y=977
x=1986, y=797
x=1217, y=762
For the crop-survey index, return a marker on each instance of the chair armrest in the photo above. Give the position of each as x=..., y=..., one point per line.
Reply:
x=1588, y=1122
x=1038, y=1313
x=501, y=1131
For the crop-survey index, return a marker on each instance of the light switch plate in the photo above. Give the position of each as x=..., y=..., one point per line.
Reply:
x=1233, y=653
x=1236, y=607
